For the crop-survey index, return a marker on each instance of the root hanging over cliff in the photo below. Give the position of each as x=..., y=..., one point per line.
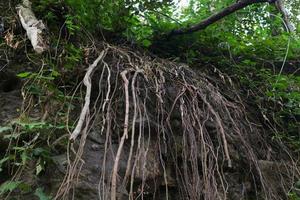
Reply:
x=173, y=128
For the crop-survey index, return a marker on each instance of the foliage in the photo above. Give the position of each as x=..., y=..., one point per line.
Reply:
x=28, y=145
x=9, y=186
x=41, y=195
x=293, y=196
x=21, y=153
x=128, y=17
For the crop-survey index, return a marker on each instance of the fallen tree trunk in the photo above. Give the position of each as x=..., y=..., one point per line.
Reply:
x=34, y=27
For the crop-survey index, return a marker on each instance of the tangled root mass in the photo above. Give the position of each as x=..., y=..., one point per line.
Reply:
x=179, y=129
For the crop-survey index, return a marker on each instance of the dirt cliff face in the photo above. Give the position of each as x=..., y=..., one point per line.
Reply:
x=9, y=82
x=186, y=137
x=10, y=106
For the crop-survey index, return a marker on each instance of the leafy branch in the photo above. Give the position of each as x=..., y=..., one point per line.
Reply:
x=216, y=17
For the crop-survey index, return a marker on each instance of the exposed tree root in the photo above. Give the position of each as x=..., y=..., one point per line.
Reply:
x=171, y=120
x=85, y=110
x=125, y=136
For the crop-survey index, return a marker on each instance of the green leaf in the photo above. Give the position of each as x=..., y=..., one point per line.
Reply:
x=55, y=73
x=9, y=186
x=24, y=74
x=2, y=161
x=5, y=129
x=41, y=194
x=33, y=125
x=19, y=148
x=146, y=43
x=39, y=151
x=297, y=184
x=24, y=157
x=12, y=136
x=24, y=187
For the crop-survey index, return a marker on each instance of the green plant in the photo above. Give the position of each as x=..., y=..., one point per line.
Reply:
x=9, y=186
x=71, y=24
x=31, y=147
x=293, y=196
x=41, y=195
x=73, y=56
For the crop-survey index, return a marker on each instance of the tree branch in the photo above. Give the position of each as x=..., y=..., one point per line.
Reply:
x=216, y=17
x=285, y=15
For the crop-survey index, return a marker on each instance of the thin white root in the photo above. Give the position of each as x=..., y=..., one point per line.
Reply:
x=128, y=168
x=34, y=27
x=86, y=109
x=223, y=135
x=125, y=135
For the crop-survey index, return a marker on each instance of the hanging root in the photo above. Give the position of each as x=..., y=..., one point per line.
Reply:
x=173, y=128
x=83, y=119
x=86, y=107
x=125, y=135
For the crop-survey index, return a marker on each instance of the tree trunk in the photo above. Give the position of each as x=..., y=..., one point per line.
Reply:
x=285, y=16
